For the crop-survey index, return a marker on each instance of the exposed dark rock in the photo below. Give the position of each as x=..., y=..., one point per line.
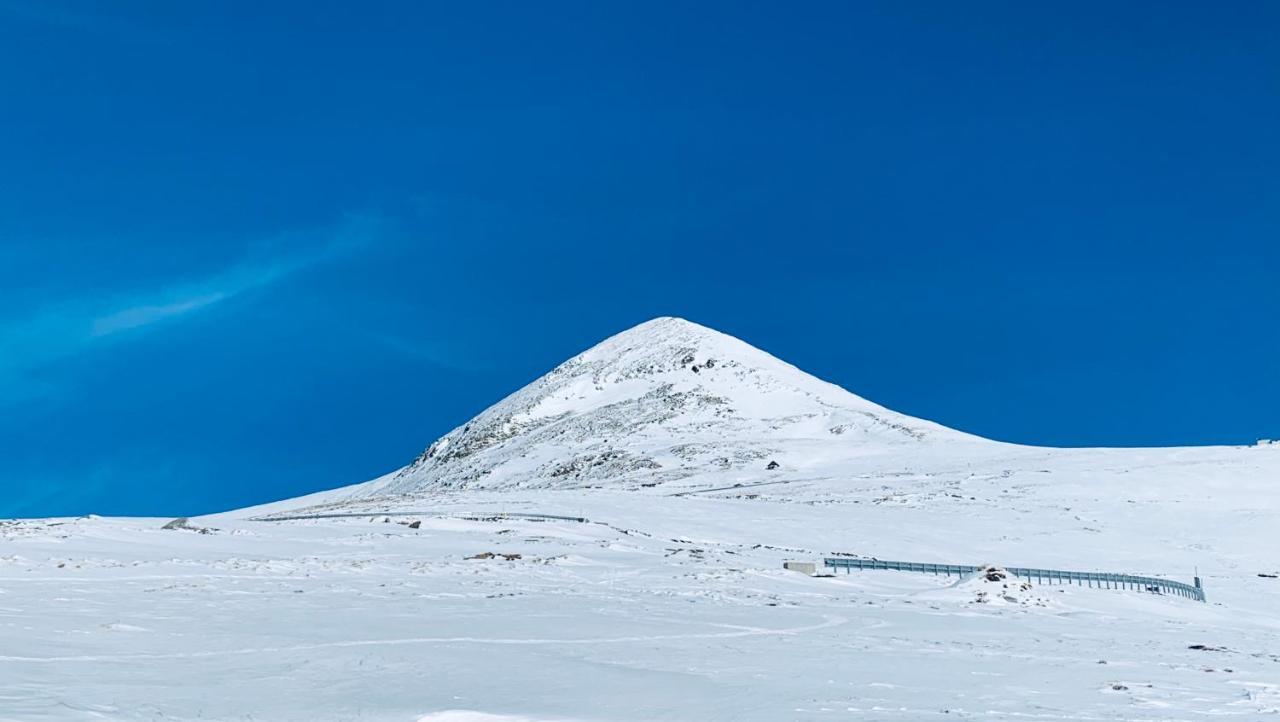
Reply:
x=184, y=524
x=491, y=555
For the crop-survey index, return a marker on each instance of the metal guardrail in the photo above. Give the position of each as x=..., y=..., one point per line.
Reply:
x=1100, y=580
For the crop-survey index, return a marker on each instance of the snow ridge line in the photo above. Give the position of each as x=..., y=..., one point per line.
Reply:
x=460, y=515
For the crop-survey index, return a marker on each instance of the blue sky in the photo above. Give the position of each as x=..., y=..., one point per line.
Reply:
x=249, y=252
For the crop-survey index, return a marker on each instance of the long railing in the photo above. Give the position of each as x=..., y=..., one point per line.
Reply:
x=1101, y=580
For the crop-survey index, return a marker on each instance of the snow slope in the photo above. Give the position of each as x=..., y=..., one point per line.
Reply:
x=661, y=402
x=668, y=601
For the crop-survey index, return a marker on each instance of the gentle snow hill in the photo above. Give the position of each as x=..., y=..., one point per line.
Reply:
x=661, y=402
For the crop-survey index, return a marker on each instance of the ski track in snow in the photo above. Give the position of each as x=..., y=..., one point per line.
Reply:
x=746, y=632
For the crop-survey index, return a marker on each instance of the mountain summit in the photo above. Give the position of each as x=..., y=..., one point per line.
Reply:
x=660, y=402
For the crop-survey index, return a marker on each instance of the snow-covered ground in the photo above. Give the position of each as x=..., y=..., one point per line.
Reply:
x=669, y=602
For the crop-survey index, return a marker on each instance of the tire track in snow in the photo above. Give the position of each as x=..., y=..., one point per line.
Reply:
x=829, y=622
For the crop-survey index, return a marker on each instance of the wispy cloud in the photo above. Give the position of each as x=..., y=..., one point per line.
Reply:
x=78, y=326
x=137, y=316
x=160, y=305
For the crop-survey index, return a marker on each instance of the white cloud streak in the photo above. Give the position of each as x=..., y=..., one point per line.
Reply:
x=79, y=326
x=138, y=316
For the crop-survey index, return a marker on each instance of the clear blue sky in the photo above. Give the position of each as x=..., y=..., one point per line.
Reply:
x=252, y=250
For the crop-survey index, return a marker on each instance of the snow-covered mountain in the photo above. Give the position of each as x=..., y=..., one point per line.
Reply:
x=660, y=402
x=607, y=545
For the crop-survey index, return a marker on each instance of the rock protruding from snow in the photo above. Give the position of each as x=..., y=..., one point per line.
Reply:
x=662, y=401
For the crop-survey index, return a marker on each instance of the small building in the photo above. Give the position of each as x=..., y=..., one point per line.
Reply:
x=810, y=568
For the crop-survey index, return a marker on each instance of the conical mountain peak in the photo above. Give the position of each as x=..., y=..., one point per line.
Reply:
x=660, y=402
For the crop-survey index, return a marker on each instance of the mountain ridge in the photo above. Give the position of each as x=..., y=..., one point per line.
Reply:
x=661, y=401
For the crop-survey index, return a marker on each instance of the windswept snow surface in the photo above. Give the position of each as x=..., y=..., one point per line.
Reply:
x=669, y=602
